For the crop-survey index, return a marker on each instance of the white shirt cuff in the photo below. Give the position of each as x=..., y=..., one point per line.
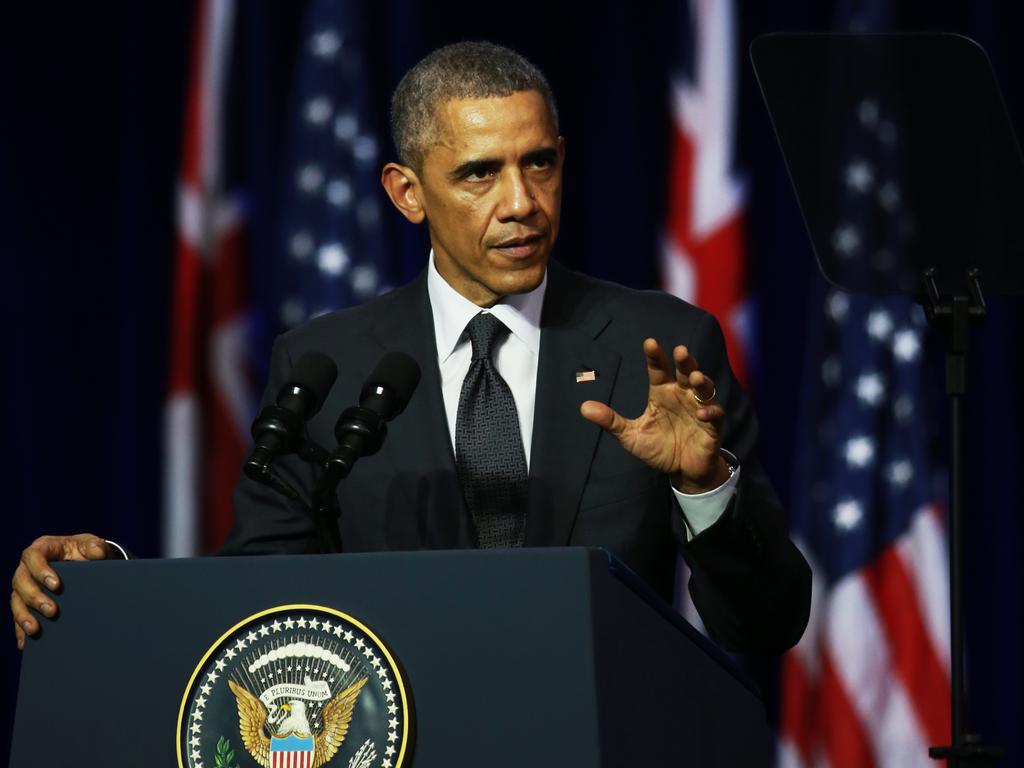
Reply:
x=702, y=510
x=119, y=548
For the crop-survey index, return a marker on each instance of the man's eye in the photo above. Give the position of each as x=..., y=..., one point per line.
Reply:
x=478, y=174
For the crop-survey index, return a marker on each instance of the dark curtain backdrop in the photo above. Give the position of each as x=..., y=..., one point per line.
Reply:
x=89, y=149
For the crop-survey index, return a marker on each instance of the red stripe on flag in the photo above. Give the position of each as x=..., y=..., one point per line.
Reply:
x=799, y=706
x=845, y=742
x=680, y=188
x=914, y=659
x=228, y=275
x=190, y=160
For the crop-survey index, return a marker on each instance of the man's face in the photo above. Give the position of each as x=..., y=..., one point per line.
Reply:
x=491, y=189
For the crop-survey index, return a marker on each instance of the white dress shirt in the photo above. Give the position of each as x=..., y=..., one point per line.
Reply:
x=516, y=358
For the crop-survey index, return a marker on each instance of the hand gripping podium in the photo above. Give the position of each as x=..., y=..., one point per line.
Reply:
x=543, y=657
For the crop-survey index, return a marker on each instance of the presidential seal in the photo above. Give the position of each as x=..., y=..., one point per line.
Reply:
x=296, y=686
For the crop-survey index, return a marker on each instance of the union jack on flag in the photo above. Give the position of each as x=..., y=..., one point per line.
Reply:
x=702, y=259
x=210, y=397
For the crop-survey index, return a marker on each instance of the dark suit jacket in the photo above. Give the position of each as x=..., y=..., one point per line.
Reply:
x=750, y=584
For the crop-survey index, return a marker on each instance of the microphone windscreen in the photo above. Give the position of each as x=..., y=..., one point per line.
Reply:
x=315, y=373
x=398, y=373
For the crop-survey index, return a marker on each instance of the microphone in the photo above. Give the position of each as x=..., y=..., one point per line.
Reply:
x=278, y=428
x=361, y=430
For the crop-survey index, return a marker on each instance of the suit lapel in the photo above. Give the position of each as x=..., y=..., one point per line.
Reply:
x=563, y=444
x=563, y=441
x=420, y=447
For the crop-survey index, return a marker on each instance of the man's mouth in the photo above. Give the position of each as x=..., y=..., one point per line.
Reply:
x=519, y=247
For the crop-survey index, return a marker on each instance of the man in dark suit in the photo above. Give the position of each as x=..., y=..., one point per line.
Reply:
x=515, y=437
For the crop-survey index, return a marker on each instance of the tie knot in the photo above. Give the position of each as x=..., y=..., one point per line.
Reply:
x=484, y=329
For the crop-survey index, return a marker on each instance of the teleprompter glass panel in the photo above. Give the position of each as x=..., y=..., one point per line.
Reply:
x=902, y=155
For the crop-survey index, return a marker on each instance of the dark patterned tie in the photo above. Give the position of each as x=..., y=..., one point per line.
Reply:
x=489, y=453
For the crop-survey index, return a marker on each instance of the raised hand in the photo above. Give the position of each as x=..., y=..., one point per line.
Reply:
x=679, y=432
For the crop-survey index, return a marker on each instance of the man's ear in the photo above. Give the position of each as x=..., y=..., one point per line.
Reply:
x=403, y=187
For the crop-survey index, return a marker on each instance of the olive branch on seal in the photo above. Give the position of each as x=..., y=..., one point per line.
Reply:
x=225, y=754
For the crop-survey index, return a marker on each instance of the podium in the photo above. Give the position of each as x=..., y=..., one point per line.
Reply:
x=538, y=657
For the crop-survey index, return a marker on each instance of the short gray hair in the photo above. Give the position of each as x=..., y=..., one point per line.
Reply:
x=468, y=70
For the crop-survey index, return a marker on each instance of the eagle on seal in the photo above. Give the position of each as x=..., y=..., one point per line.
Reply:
x=336, y=716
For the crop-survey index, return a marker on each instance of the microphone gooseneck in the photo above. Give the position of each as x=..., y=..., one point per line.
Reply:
x=278, y=430
x=361, y=430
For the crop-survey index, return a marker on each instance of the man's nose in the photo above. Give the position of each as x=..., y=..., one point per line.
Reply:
x=518, y=199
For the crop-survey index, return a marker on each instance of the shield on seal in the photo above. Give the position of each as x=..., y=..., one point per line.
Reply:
x=291, y=752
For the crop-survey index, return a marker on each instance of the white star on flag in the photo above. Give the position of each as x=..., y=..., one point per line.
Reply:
x=879, y=324
x=859, y=176
x=846, y=240
x=860, y=451
x=905, y=346
x=847, y=515
x=870, y=389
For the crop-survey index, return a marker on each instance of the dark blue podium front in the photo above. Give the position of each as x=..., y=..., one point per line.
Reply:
x=546, y=657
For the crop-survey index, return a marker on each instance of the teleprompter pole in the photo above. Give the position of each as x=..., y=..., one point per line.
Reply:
x=952, y=318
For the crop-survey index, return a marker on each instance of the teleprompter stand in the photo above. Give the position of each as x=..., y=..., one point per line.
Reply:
x=951, y=317
x=911, y=182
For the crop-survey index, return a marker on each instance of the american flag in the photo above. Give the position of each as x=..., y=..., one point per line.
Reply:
x=868, y=685
x=333, y=240
x=330, y=251
x=703, y=254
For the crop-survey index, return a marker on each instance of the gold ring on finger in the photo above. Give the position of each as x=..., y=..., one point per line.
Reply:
x=704, y=401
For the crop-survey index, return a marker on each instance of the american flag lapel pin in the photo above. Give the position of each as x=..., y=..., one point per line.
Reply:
x=582, y=376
